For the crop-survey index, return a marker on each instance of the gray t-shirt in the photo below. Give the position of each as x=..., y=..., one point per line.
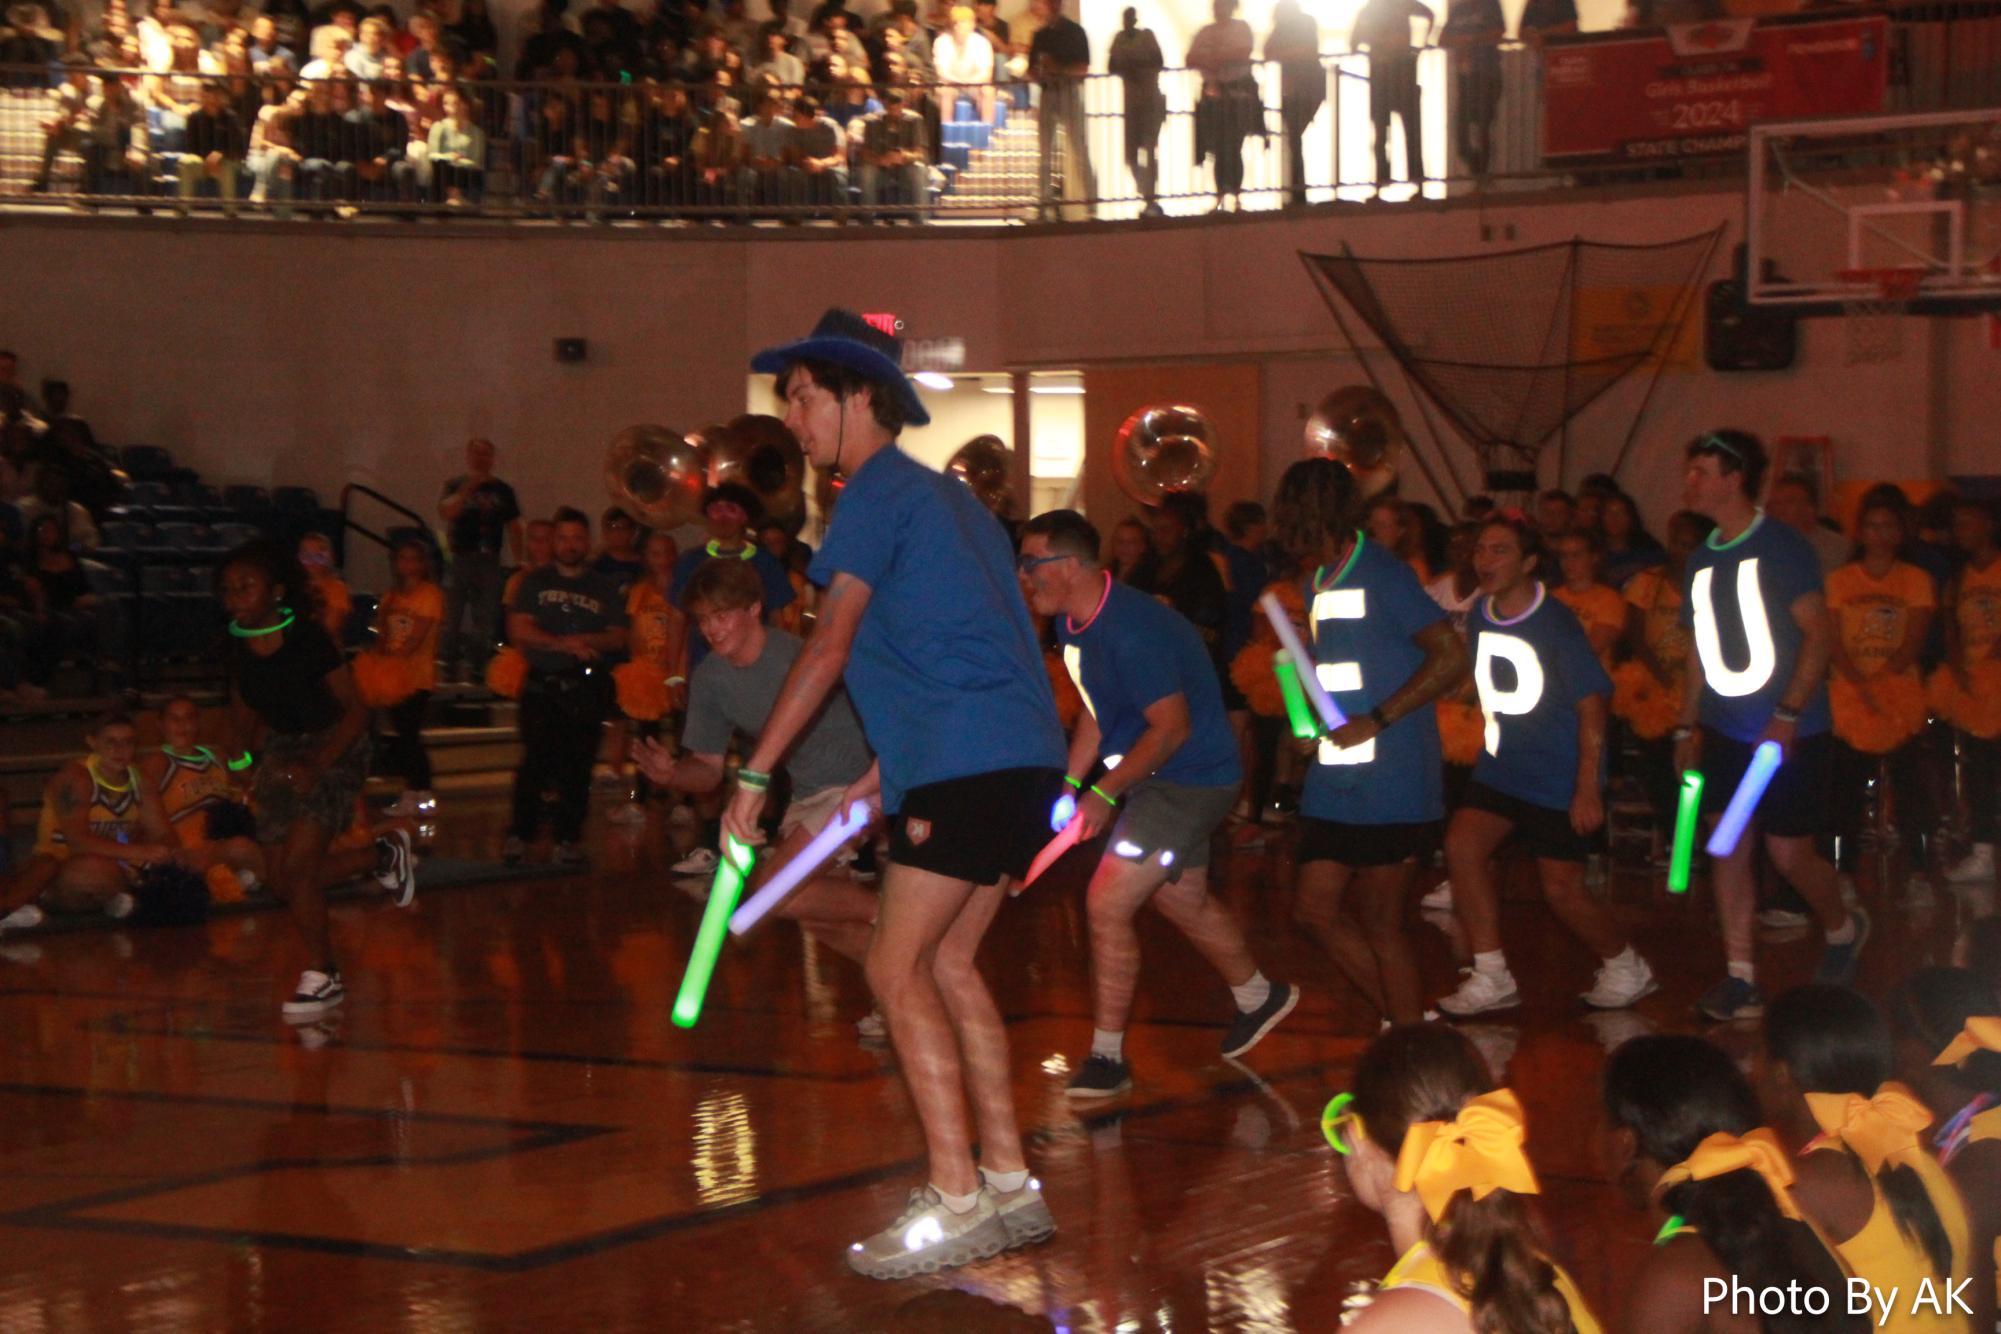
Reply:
x=724, y=699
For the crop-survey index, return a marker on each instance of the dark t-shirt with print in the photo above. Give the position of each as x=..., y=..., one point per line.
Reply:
x=483, y=522
x=581, y=604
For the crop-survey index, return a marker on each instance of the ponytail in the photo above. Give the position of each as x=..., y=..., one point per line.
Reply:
x=1487, y=1247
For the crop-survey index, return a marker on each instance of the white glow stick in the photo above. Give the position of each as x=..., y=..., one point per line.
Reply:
x=793, y=874
x=1309, y=677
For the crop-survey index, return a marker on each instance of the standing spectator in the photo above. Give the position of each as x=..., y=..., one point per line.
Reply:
x=1185, y=576
x=963, y=59
x=566, y=618
x=1060, y=58
x=1472, y=37
x=1795, y=502
x=406, y=638
x=215, y=149
x=892, y=154
x=67, y=119
x=1132, y=559
x=818, y=156
x=330, y=595
x=483, y=517
x=1230, y=106
x=1135, y=57
x=620, y=559
x=457, y=151
x=1294, y=43
x=1382, y=28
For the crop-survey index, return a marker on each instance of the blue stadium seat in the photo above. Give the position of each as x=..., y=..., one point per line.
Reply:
x=232, y=533
x=125, y=534
x=105, y=580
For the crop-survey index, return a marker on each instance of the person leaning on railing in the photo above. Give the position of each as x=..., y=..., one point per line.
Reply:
x=1230, y=107
x=1294, y=44
x=1136, y=58
x=1059, y=56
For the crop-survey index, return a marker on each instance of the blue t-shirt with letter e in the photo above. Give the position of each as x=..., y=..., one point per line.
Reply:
x=1134, y=653
x=945, y=670
x=1532, y=672
x=1362, y=618
x=1737, y=598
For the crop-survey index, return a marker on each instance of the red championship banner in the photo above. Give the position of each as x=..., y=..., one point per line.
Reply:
x=1693, y=89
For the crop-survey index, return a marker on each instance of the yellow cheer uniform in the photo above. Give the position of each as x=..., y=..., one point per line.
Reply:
x=190, y=788
x=1881, y=1252
x=656, y=626
x=113, y=814
x=1419, y=1268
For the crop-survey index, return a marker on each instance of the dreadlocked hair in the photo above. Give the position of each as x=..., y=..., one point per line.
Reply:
x=1834, y=1040
x=1317, y=505
x=1675, y=1092
x=1491, y=1247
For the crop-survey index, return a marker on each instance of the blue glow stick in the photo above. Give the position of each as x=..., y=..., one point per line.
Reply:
x=1062, y=812
x=1765, y=762
x=723, y=893
x=1281, y=624
x=793, y=874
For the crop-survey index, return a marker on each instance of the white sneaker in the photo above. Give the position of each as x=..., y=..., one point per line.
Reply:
x=630, y=812
x=1439, y=899
x=1782, y=919
x=929, y=1236
x=1976, y=865
x=1481, y=992
x=316, y=994
x=119, y=907
x=24, y=918
x=872, y=1027
x=702, y=861
x=1620, y=984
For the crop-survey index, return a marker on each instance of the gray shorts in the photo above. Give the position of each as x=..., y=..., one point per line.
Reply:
x=1170, y=823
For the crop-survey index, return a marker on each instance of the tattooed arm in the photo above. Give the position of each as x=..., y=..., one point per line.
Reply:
x=1444, y=667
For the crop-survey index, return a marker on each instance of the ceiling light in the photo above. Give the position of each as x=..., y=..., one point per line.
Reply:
x=933, y=380
x=1056, y=389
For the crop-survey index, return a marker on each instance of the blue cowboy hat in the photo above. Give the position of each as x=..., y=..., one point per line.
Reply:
x=847, y=340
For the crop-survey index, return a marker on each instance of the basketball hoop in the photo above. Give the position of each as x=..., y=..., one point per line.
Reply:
x=1875, y=316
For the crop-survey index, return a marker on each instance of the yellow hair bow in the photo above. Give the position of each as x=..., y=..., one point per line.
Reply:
x=1879, y=1129
x=1982, y=1033
x=1479, y=1150
x=1723, y=1153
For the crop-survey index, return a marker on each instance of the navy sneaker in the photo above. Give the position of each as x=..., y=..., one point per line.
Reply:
x=1837, y=962
x=1100, y=1077
x=1250, y=1026
x=1732, y=998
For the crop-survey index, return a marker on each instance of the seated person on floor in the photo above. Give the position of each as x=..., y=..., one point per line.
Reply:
x=206, y=809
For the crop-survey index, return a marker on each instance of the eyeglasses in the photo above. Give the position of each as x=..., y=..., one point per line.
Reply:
x=1337, y=1117
x=1029, y=564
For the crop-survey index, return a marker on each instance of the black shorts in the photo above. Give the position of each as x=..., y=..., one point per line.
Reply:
x=1362, y=844
x=977, y=828
x=1799, y=802
x=1546, y=833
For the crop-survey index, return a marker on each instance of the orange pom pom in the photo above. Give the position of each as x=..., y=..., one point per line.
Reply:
x=1252, y=674
x=1648, y=707
x=1898, y=713
x=1976, y=711
x=1069, y=703
x=383, y=681
x=223, y=886
x=642, y=691
x=1462, y=730
x=506, y=673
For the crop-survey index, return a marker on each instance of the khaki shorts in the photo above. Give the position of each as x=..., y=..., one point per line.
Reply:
x=812, y=814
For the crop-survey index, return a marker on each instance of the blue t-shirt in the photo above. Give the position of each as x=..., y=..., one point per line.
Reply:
x=1363, y=619
x=1248, y=577
x=1738, y=599
x=1533, y=672
x=1134, y=654
x=778, y=594
x=945, y=670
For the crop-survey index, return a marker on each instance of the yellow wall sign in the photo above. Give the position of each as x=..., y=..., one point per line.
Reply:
x=1621, y=321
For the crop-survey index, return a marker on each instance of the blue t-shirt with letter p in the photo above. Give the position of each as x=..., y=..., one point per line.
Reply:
x=1532, y=672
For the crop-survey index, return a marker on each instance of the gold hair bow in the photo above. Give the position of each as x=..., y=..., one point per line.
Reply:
x=1982, y=1033
x=1723, y=1153
x=1879, y=1129
x=1479, y=1150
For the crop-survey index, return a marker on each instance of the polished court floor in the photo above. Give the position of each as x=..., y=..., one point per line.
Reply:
x=503, y=1131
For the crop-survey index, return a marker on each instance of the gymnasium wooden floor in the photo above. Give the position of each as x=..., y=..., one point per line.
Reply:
x=505, y=1132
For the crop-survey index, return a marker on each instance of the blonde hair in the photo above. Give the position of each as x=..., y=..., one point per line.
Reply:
x=962, y=13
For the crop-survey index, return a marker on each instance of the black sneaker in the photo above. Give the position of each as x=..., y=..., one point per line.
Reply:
x=396, y=866
x=1100, y=1077
x=316, y=994
x=1249, y=1028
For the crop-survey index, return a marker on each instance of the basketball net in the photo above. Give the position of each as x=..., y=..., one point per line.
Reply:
x=1875, y=319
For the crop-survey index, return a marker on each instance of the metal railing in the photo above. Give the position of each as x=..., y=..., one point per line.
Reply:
x=644, y=152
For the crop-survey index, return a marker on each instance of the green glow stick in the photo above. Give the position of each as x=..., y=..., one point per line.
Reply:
x=1297, y=712
x=724, y=891
x=1688, y=814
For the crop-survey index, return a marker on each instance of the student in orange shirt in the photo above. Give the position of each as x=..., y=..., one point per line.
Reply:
x=406, y=639
x=1881, y=606
x=1647, y=687
x=316, y=556
x=1595, y=603
x=1973, y=660
x=653, y=683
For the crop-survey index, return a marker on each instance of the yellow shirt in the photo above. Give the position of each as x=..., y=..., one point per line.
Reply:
x=657, y=626
x=1658, y=596
x=1419, y=1268
x=1871, y=615
x=1881, y=1253
x=189, y=787
x=1979, y=609
x=113, y=814
x=1603, y=613
x=335, y=604
x=406, y=626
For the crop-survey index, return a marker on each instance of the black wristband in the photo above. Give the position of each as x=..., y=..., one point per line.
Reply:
x=1376, y=714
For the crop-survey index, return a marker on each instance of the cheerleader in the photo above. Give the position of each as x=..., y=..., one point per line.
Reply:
x=1374, y=795
x=1880, y=1197
x=399, y=671
x=1967, y=690
x=316, y=557
x=201, y=801
x=1882, y=609
x=294, y=714
x=1683, y=1137
x=1540, y=775
x=1429, y=1143
x=653, y=683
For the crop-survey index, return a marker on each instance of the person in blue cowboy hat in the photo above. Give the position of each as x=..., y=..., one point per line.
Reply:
x=923, y=619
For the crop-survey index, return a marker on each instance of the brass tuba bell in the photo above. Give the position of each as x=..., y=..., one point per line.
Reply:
x=758, y=451
x=656, y=474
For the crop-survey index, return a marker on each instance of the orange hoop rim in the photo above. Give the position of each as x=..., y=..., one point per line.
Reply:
x=1897, y=283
